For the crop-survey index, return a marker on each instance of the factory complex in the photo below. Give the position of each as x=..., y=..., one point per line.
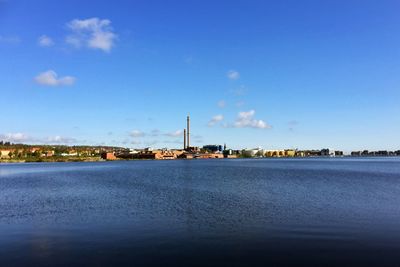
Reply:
x=187, y=152
x=220, y=151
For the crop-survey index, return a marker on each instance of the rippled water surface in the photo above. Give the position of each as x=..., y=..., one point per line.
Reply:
x=256, y=212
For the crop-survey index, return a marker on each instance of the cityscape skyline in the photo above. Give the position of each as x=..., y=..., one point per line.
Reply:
x=276, y=75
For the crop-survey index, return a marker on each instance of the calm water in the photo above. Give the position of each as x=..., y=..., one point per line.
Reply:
x=267, y=212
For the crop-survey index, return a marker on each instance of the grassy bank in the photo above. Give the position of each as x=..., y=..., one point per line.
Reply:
x=52, y=159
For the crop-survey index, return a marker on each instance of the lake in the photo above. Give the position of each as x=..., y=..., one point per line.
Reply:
x=239, y=212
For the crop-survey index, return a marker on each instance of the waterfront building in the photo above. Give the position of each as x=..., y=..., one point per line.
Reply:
x=254, y=152
x=5, y=154
x=275, y=153
x=382, y=153
x=209, y=156
x=290, y=153
x=280, y=153
x=186, y=156
x=312, y=153
x=338, y=153
x=325, y=152
x=229, y=153
x=48, y=153
x=156, y=154
x=300, y=154
x=213, y=148
x=108, y=156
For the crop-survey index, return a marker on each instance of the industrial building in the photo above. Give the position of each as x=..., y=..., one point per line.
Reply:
x=213, y=148
x=186, y=139
x=108, y=156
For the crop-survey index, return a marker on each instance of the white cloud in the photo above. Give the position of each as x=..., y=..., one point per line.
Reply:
x=221, y=103
x=24, y=138
x=245, y=119
x=44, y=41
x=14, y=137
x=92, y=33
x=233, y=75
x=214, y=120
x=177, y=133
x=60, y=140
x=137, y=133
x=50, y=78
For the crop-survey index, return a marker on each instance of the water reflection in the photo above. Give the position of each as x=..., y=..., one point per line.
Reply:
x=212, y=212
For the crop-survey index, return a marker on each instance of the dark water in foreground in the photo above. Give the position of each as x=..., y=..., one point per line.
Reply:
x=310, y=212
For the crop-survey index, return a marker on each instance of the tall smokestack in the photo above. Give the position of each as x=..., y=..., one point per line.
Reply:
x=184, y=139
x=188, y=131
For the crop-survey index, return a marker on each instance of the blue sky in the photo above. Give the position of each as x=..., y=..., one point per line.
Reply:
x=276, y=74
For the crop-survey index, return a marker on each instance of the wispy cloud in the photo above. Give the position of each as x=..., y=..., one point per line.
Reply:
x=125, y=141
x=14, y=137
x=177, y=133
x=197, y=138
x=151, y=143
x=245, y=119
x=9, y=39
x=292, y=124
x=93, y=33
x=155, y=132
x=233, y=75
x=60, y=140
x=221, y=103
x=25, y=138
x=172, y=142
x=239, y=103
x=50, y=78
x=45, y=41
x=242, y=90
x=137, y=133
x=214, y=120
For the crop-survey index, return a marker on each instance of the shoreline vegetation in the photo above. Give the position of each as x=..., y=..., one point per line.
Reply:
x=20, y=153
x=98, y=159
x=52, y=159
x=15, y=153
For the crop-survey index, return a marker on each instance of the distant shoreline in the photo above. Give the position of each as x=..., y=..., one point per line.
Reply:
x=95, y=159
x=45, y=160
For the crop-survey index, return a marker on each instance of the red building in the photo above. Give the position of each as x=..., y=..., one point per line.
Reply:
x=108, y=156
